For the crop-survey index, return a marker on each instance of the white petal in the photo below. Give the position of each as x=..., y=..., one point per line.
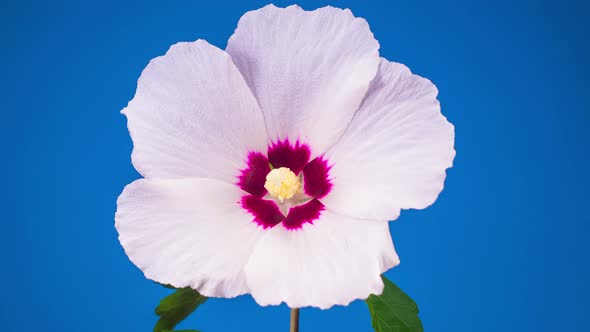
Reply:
x=395, y=153
x=308, y=69
x=193, y=115
x=334, y=261
x=187, y=232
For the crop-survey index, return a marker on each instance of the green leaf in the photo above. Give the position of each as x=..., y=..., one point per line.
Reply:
x=394, y=311
x=165, y=285
x=176, y=307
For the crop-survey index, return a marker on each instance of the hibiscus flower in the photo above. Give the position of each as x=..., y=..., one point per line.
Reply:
x=273, y=167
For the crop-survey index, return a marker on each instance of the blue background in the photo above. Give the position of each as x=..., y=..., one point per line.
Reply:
x=503, y=249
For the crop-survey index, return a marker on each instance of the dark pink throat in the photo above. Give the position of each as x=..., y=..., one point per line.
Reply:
x=252, y=178
x=267, y=214
x=295, y=156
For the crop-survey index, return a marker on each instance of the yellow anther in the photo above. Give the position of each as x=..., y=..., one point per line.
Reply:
x=282, y=183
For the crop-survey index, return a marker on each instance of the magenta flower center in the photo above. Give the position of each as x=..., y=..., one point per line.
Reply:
x=299, y=208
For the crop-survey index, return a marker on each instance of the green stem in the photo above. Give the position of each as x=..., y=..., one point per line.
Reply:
x=294, y=320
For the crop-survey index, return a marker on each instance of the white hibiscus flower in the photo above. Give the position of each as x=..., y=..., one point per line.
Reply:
x=273, y=167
